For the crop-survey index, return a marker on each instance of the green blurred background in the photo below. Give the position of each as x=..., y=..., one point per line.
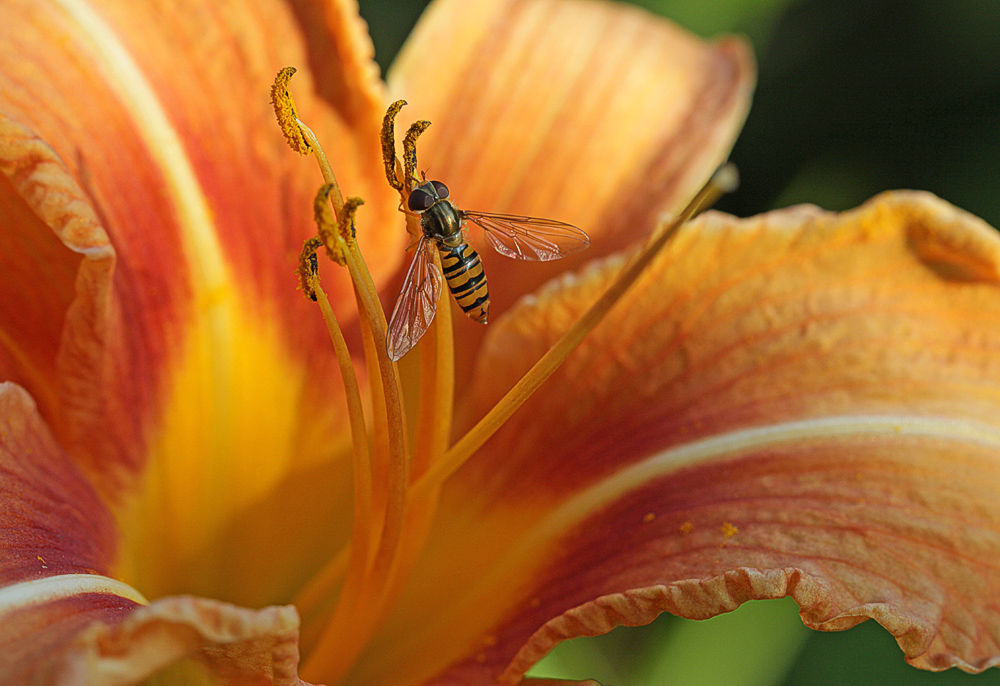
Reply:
x=854, y=97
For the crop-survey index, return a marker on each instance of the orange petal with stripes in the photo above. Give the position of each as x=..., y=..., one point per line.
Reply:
x=802, y=403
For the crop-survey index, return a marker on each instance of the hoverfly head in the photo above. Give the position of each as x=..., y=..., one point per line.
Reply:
x=425, y=195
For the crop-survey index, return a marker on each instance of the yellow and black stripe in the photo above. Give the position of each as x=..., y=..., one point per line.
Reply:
x=464, y=272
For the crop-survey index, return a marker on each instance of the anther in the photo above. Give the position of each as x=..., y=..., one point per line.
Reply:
x=336, y=233
x=410, y=151
x=284, y=110
x=308, y=267
x=346, y=226
x=388, y=137
x=327, y=226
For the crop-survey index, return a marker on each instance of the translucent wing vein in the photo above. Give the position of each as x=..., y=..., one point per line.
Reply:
x=417, y=302
x=529, y=238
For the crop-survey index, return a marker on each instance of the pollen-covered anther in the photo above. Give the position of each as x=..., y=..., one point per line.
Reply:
x=327, y=227
x=410, y=150
x=388, y=137
x=345, y=224
x=306, y=270
x=284, y=110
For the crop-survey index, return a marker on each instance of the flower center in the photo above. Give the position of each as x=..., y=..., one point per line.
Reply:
x=396, y=489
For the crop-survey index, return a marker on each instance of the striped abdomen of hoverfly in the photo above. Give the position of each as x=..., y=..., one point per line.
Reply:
x=463, y=270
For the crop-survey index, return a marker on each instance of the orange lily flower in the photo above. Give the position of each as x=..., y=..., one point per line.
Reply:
x=802, y=403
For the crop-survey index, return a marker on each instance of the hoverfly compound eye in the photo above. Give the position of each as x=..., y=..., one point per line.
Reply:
x=420, y=199
x=441, y=189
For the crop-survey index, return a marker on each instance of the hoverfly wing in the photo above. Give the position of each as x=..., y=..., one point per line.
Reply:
x=529, y=238
x=417, y=302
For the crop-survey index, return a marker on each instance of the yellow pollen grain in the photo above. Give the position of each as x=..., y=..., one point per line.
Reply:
x=728, y=529
x=686, y=528
x=648, y=517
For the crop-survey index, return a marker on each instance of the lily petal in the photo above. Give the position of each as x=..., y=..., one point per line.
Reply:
x=55, y=524
x=58, y=540
x=140, y=136
x=594, y=113
x=799, y=404
x=67, y=624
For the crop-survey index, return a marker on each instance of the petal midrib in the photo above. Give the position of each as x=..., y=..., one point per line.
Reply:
x=52, y=588
x=198, y=233
x=215, y=308
x=733, y=443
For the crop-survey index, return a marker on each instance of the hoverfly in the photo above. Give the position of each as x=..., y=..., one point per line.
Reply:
x=441, y=224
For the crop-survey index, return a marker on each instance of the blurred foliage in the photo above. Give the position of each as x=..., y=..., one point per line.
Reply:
x=854, y=97
x=860, y=96
x=752, y=646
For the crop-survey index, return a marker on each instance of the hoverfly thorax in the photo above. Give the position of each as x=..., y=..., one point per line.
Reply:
x=440, y=219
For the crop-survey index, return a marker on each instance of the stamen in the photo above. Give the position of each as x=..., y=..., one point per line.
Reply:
x=394, y=466
x=299, y=136
x=360, y=608
x=404, y=524
x=364, y=520
x=434, y=421
x=342, y=247
x=359, y=433
x=398, y=475
x=403, y=180
x=382, y=472
x=723, y=180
